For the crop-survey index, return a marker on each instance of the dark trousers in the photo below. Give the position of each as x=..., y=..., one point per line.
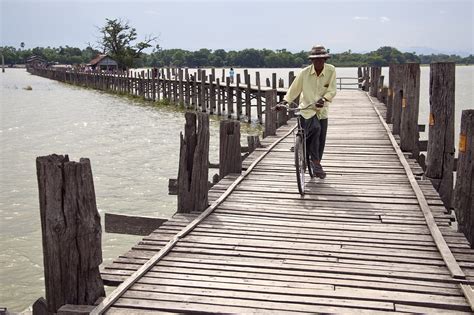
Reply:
x=316, y=131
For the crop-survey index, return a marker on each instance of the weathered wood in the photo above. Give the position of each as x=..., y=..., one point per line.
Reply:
x=409, y=135
x=238, y=97
x=132, y=225
x=230, y=160
x=40, y=307
x=360, y=78
x=270, y=114
x=193, y=164
x=397, y=96
x=71, y=231
x=230, y=98
x=259, y=97
x=380, y=86
x=440, y=155
x=253, y=143
x=70, y=309
x=464, y=191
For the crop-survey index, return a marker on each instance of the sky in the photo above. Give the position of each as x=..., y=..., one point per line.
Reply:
x=439, y=26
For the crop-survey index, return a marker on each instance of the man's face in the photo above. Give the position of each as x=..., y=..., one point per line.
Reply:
x=318, y=62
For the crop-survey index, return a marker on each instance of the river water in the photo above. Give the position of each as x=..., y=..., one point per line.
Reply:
x=133, y=147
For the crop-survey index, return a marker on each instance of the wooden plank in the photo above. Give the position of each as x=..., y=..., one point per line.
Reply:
x=443, y=248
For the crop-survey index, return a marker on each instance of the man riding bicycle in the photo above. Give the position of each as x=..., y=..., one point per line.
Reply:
x=316, y=86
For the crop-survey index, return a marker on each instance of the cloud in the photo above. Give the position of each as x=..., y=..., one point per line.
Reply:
x=360, y=18
x=384, y=19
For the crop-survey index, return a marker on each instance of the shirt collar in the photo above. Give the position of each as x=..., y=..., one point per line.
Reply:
x=322, y=72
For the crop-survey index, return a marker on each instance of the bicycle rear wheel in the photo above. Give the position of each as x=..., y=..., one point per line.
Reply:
x=300, y=163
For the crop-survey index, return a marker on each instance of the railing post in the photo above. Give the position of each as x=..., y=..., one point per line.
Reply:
x=409, y=121
x=397, y=96
x=270, y=115
x=71, y=232
x=463, y=194
x=230, y=160
x=440, y=155
x=194, y=164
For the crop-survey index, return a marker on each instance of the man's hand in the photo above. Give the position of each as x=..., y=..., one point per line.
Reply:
x=320, y=102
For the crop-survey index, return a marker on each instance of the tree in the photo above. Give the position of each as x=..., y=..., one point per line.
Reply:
x=117, y=40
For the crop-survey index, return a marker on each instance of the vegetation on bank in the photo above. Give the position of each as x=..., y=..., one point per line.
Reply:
x=249, y=58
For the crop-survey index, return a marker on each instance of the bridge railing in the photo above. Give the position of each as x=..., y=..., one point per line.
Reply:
x=347, y=83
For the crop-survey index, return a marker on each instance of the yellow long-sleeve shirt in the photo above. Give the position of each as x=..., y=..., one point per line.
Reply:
x=312, y=87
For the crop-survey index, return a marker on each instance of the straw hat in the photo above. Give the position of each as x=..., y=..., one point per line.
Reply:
x=318, y=51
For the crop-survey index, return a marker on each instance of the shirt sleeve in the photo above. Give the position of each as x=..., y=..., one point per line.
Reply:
x=331, y=91
x=295, y=89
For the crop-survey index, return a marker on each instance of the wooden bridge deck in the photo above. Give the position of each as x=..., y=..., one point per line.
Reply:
x=357, y=242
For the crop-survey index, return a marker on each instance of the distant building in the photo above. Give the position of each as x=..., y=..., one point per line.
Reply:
x=103, y=62
x=36, y=62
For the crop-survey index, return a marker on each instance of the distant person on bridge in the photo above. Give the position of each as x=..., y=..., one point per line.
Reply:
x=315, y=84
x=231, y=75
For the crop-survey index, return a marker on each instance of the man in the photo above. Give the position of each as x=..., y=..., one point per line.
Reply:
x=317, y=85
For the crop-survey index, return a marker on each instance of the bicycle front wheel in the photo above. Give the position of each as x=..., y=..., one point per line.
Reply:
x=300, y=163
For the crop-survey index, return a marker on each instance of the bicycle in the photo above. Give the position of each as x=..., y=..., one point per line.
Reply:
x=302, y=158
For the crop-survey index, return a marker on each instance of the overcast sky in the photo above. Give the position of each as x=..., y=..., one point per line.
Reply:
x=442, y=26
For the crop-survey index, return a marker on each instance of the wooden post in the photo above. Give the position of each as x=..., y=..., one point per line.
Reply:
x=187, y=89
x=230, y=160
x=409, y=121
x=397, y=96
x=379, y=87
x=248, y=100
x=391, y=74
x=359, y=77
x=440, y=155
x=180, y=86
x=253, y=142
x=259, y=97
x=194, y=164
x=270, y=115
x=268, y=82
x=71, y=231
x=3, y=64
x=202, y=94
x=212, y=93
x=366, y=79
x=238, y=97
x=230, y=98
x=464, y=191
x=219, y=97
x=274, y=81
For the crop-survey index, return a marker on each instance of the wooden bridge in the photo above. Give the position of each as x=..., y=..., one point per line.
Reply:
x=374, y=236
x=369, y=238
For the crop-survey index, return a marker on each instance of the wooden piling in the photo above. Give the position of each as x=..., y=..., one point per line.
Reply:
x=71, y=231
x=248, y=99
x=360, y=78
x=193, y=164
x=409, y=119
x=219, y=98
x=391, y=74
x=259, y=97
x=230, y=160
x=253, y=142
x=464, y=191
x=238, y=97
x=440, y=155
x=397, y=96
x=270, y=115
x=230, y=98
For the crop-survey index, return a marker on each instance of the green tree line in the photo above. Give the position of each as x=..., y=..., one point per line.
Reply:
x=250, y=58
